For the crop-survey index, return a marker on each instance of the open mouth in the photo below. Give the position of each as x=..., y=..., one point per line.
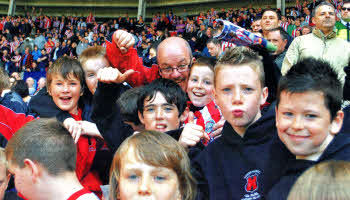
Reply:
x=198, y=94
x=65, y=99
x=161, y=126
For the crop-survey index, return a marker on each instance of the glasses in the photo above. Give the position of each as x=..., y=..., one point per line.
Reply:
x=169, y=70
x=348, y=9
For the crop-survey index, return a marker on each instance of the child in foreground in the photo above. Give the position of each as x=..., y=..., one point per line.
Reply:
x=309, y=128
x=248, y=158
x=151, y=165
x=42, y=158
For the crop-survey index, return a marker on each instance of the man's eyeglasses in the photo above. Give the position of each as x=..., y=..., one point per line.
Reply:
x=348, y=9
x=169, y=70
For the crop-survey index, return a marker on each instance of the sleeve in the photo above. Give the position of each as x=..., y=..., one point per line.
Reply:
x=292, y=56
x=202, y=183
x=346, y=91
x=106, y=115
x=11, y=121
x=130, y=60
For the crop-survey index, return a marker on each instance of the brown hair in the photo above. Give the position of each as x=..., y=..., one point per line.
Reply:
x=203, y=62
x=45, y=141
x=327, y=180
x=159, y=150
x=92, y=53
x=239, y=56
x=4, y=80
x=66, y=66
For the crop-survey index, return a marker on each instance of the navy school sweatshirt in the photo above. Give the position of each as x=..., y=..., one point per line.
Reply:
x=338, y=149
x=239, y=168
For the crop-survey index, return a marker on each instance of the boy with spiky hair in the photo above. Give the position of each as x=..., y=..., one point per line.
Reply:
x=241, y=164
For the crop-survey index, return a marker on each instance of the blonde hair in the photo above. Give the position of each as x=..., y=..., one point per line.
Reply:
x=238, y=56
x=159, y=150
x=324, y=181
x=3, y=160
x=92, y=53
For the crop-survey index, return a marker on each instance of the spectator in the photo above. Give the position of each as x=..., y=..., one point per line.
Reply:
x=278, y=37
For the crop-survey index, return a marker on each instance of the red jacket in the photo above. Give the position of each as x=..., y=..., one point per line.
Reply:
x=130, y=60
x=86, y=151
x=10, y=121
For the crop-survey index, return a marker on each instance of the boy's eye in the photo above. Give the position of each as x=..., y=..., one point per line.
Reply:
x=310, y=116
x=194, y=80
x=149, y=109
x=248, y=89
x=132, y=177
x=91, y=75
x=226, y=90
x=168, y=108
x=159, y=178
x=208, y=82
x=288, y=114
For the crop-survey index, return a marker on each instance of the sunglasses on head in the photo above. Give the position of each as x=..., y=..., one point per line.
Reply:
x=345, y=9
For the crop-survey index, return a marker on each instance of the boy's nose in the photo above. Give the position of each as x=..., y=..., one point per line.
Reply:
x=298, y=123
x=144, y=187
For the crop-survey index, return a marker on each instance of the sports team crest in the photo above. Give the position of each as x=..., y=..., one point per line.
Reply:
x=252, y=181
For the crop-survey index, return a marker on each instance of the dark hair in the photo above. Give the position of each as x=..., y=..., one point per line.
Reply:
x=313, y=75
x=323, y=3
x=45, y=141
x=277, y=13
x=204, y=61
x=171, y=91
x=66, y=66
x=257, y=18
x=21, y=88
x=127, y=103
x=214, y=41
x=283, y=33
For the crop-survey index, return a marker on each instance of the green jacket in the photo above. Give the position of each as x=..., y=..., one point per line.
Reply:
x=342, y=31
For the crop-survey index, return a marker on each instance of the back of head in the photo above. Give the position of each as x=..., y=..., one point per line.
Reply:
x=21, y=88
x=324, y=181
x=171, y=91
x=127, y=103
x=313, y=75
x=239, y=56
x=45, y=141
x=159, y=150
x=4, y=80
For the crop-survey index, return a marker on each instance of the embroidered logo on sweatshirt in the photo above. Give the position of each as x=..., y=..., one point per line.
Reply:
x=252, y=185
x=252, y=181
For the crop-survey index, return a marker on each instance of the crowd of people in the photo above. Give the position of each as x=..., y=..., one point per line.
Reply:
x=168, y=111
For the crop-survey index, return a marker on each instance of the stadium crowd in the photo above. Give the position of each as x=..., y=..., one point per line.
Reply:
x=233, y=127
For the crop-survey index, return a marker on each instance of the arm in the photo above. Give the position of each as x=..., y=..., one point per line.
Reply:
x=127, y=58
x=292, y=56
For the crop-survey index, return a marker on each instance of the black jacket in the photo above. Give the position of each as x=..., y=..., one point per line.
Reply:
x=338, y=149
x=234, y=168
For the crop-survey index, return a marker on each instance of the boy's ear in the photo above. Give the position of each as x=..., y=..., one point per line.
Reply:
x=337, y=123
x=34, y=169
x=276, y=115
x=184, y=115
x=264, y=95
x=141, y=118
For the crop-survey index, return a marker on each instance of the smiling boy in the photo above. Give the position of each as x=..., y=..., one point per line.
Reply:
x=309, y=128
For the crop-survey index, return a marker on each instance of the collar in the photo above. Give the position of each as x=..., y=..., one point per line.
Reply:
x=319, y=34
x=317, y=155
x=344, y=22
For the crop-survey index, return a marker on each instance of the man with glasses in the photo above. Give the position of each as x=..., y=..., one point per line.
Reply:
x=343, y=26
x=322, y=43
x=174, y=57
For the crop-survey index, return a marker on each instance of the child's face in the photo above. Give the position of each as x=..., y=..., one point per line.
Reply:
x=159, y=115
x=304, y=126
x=91, y=68
x=65, y=92
x=4, y=179
x=239, y=95
x=139, y=180
x=200, y=86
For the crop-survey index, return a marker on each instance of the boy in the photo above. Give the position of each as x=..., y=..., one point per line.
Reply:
x=239, y=164
x=43, y=162
x=309, y=128
x=161, y=106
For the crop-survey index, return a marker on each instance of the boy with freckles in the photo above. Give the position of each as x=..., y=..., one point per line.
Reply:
x=241, y=164
x=310, y=127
